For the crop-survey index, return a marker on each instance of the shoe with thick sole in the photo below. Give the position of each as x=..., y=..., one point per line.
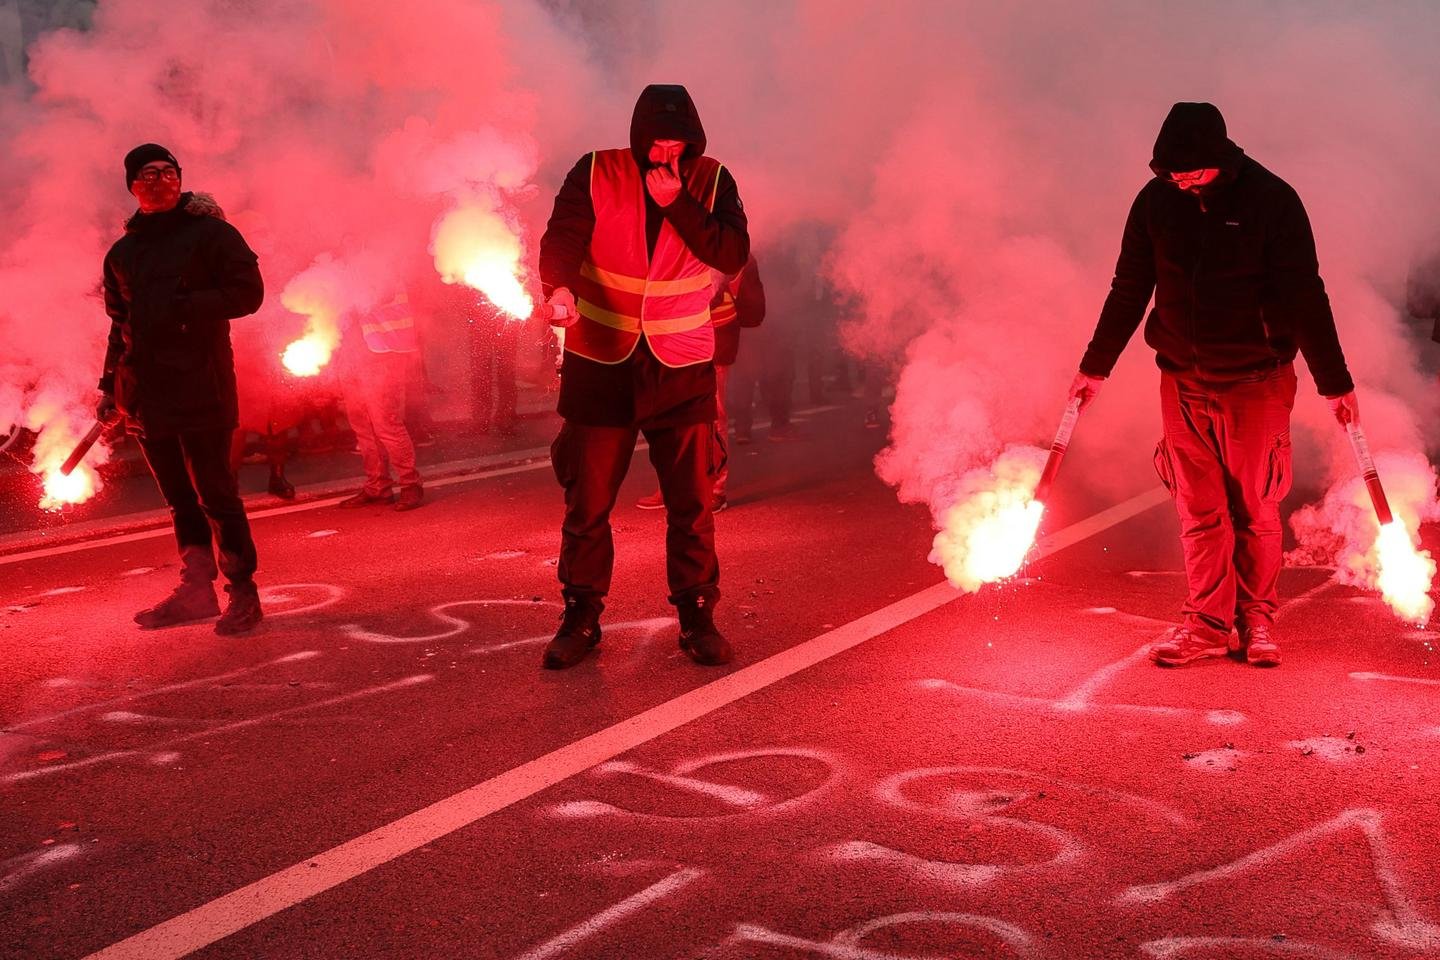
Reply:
x=410, y=498
x=363, y=499
x=1258, y=647
x=243, y=613
x=187, y=603
x=700, y=639
x=579, y=633
x=651, y=501
x=1183, y=646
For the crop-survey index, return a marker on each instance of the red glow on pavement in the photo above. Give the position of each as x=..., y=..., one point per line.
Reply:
x=474, y=246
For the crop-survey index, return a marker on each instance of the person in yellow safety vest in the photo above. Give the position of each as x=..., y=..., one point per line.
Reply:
x=625, y=265
x=738, y=303
x=376, y=351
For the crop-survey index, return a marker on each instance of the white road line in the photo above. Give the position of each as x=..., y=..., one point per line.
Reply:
x=213, y=921
x=513, y=468
x=1364, y=677
x=613, y=915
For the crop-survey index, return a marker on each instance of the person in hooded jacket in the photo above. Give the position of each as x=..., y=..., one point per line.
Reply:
x=625, y=265
x=172, y=285
x=1226, y=249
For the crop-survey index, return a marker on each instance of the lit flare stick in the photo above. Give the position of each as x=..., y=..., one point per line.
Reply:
x=82, y=448
x=1368, y=471
x=1058, y=446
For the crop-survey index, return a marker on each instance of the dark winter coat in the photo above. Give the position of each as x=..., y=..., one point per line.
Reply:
x=641, y=390
x=749, y=294
x=1233, y=271
x=172, y=285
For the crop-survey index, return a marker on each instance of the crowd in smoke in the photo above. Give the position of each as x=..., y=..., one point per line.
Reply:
x=973, y=163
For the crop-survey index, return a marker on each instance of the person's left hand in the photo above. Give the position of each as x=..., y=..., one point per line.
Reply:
x=664, y=183
x=1345, y=408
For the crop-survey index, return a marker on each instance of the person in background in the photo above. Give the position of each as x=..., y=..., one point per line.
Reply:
x=625, y=262
x=172, y=285
x=739, y=303
x=1225, y=248
x=377, y=349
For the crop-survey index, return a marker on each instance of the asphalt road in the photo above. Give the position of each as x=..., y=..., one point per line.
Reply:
x=889, y=770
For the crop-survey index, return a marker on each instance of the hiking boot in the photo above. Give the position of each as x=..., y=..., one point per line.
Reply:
x=194, y=599
x=242, y=613
x=1183, y=645
x=654, y=501
x=698, y=636
x=578, y=634
x=363, y=499
x=1258, y=647
x=281, y=487
x=719, y=503
x=410, y=497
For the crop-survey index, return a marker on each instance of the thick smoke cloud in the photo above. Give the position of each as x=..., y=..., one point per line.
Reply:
x=972, y=161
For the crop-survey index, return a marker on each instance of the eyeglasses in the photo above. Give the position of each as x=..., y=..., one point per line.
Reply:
x=153, y=174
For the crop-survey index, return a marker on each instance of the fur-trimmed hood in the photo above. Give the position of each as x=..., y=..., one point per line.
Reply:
x=191, y=204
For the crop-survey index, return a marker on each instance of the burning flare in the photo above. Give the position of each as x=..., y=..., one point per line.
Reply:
x=307, y=356
x=52, y=447
x=1404, y=573
x=473, y=245
x=986, y=534
x=316, y=295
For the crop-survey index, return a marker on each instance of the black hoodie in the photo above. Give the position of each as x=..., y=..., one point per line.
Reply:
x=1233, y=271
x=642, y=390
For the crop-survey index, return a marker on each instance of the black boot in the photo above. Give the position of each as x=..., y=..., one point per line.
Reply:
x=243, y=613
x=578, y=634
x=699, y=638
x=194, y=599
x=280, y=486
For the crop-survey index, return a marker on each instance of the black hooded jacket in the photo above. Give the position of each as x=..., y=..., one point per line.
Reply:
x=172, y=285
x=642, y=390
x=1233, y=271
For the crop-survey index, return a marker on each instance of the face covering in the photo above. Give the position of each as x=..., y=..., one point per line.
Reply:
x=156, y=197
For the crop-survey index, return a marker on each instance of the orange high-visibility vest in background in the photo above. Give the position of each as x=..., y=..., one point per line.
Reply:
x=623, y=293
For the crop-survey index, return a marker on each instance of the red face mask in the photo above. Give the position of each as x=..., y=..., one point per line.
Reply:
x=156, y=197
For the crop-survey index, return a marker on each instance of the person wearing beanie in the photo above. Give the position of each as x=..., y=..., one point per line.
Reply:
x=625, y=265
x=1226, y=249
x=172, y=283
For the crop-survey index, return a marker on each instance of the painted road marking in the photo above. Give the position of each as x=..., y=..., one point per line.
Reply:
x=612, y=915
x=1364, y=677
x=213, y=921
x=164, y=531
x=208, y=732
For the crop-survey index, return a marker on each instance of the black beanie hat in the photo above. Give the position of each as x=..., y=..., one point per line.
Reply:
x=143, y=154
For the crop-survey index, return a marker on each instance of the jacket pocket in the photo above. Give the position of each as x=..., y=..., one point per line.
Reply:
x=1165, y=466
x=1279, y=474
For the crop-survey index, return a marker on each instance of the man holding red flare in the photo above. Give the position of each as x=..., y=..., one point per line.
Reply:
x=626, y=264
x=1226, y=249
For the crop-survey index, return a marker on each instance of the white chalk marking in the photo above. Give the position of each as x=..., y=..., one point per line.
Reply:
x=1217, y=717
x=723, y=792
x=927, y=869
x=1079, y=698
x=60, y=591
x=1100, y=611
x=138, y=571
x=650, y=626
x=1333, y=749
x=846, y=945
x=17, y=870
x=1390, y=678
x=892, y=791
x=283, y=593
x=217, y=919
x=610, y=916
x=100, y=758
x=457, y=625
x=1232, y=946
x=536, y=458
x=144, y=719
x=504, y=555
x=157, y=691
x=317, y=534
x=1399, y=922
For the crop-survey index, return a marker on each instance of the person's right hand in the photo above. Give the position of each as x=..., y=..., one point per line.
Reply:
x=560, y=309
x=1085, y=388
x=105, y=409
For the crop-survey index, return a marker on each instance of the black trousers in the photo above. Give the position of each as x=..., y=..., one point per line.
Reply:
x=591, y=462
x=493, y=345
x=771, y=366
x=193, y=472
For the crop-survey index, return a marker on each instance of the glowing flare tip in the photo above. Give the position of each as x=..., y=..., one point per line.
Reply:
x=306, y=357
x=1404, y=573
x=61, y=490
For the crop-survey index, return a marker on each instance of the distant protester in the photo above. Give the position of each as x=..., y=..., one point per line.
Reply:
x=172, y=285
